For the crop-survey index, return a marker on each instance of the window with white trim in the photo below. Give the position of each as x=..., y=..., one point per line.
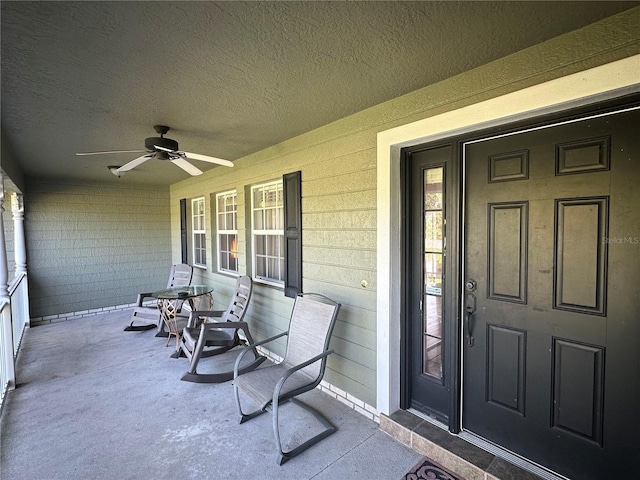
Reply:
x=267, y=226
x=227, y=228
x=198, y=232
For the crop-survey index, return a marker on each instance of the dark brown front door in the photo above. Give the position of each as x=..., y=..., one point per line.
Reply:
x=551, y=356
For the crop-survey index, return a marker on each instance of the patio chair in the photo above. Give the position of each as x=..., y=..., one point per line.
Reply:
x=210, y=333
x=179, y=276
x=302, y=369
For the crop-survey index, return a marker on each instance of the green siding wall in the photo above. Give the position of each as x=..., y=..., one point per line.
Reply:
x=338, y=164
x=94, y=245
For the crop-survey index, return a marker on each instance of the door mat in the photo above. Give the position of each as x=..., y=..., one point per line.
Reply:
x=427, y=469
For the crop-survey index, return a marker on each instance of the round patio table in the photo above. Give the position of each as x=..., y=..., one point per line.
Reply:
x=170, y=303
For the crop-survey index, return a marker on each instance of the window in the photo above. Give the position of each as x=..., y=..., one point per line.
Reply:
x=434, y=259
x=227, y=227
x=268, y=232
x=199, y=233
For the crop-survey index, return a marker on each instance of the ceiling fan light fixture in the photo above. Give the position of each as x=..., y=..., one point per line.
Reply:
x=114, y=169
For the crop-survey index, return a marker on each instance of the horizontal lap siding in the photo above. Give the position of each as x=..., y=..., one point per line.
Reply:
x=339, y=243
x=339, y=225
x=94, y=245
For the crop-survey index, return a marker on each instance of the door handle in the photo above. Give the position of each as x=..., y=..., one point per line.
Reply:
x=469, y=309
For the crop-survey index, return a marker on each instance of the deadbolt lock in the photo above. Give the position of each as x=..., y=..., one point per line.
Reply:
x=470, y=285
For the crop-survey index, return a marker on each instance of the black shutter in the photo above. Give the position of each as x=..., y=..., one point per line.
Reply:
x=183, y=229
x=292, y=198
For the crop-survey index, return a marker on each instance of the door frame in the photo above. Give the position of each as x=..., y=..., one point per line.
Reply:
x=595, y=85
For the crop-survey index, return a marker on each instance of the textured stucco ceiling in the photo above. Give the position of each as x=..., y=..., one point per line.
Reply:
x=232, y=78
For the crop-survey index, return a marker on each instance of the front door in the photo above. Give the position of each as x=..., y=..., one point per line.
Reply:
x=551, y=357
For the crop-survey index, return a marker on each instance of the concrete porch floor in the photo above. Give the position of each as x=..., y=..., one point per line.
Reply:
x=96, y=402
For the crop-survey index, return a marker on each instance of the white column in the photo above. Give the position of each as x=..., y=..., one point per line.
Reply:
x=19, y=245
x=6, y=335
x=4, y=267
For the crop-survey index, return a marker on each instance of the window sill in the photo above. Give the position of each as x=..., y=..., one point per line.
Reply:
x=266, y=283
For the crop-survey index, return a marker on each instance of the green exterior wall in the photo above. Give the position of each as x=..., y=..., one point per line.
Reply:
x=338, y=164
x=94, y=245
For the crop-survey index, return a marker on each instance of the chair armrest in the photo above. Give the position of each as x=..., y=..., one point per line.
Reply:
x=209, y=325
x=294, y=369
x=252, y=347
x=196, y=314
x=142, y=296
x=267, y=340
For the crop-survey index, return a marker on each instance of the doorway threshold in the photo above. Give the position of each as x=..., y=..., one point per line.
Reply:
x=458, y=454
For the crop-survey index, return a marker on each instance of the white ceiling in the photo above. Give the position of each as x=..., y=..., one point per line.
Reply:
x=232, y=78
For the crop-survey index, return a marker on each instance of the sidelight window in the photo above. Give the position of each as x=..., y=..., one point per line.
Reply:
x=434, y=246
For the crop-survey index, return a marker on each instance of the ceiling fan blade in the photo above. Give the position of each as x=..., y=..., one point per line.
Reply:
x=110, y=151
x=186, y=166
x=134, y=163
x=206, y=158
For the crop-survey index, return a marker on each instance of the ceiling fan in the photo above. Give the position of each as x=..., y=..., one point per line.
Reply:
x=162, y=148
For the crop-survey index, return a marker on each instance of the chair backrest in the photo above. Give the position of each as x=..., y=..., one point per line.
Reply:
x=312, y=322
x=180, y=275
x=240, y=300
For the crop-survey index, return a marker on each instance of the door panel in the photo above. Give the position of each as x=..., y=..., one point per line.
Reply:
x=552, y=235
x=430, y=298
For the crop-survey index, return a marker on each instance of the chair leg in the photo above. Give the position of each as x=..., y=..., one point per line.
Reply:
x=198, y=348
x=283, y=456
x=139, y=328
x=244, y=417
x=134, y=317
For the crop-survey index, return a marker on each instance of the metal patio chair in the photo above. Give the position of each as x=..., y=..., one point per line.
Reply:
x=302, y=369
x=210, y=333
x=179, y=276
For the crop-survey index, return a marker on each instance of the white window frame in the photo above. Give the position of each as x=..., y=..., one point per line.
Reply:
x=198, y=231
x=227, y=225
x=273, y=214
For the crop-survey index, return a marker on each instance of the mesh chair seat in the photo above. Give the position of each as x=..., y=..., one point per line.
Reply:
x=259, y=384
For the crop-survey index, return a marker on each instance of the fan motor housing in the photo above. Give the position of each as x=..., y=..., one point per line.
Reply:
x=151, y=143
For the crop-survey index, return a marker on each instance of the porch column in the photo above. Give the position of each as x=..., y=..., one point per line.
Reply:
x=21, y=295
x=6, y=330
x=20, y=248
x=4, y=265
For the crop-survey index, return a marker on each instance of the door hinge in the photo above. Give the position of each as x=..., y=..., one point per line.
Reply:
x=420, y=305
